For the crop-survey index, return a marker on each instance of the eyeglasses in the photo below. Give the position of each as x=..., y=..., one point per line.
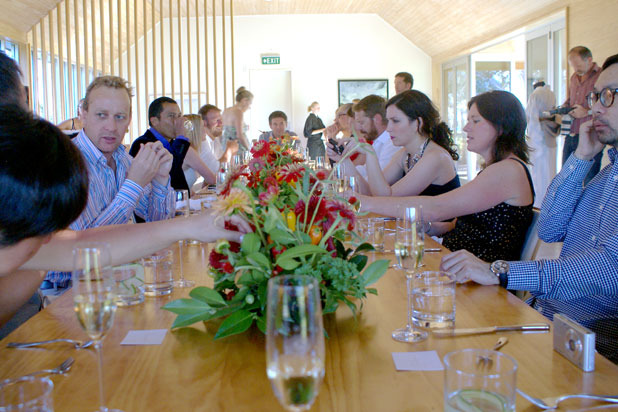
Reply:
x=606, y=96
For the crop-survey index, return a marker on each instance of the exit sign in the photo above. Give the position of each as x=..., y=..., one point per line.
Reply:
x=271, y=60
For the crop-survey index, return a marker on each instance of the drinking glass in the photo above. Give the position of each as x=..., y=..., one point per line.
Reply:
x=94, y=298
x=408, y=243
x=339, y=176
x=294, y=340
x=182, y=198
x=320, y=162
x=26, y=394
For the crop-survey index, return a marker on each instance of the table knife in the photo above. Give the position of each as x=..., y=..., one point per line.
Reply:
x=536, y=327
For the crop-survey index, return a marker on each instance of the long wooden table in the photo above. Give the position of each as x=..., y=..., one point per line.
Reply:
x=191, y=372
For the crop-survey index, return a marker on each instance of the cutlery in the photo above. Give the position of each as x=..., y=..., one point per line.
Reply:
x=61, y=369
x=536, y=327
x=552, y=402
x=433, y=250
x=75, y=343
x=498, y=345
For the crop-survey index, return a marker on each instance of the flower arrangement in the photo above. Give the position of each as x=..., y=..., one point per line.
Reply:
x=298, y=229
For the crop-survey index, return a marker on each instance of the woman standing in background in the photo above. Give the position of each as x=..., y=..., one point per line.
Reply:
x=234, y=128
x=314, y=127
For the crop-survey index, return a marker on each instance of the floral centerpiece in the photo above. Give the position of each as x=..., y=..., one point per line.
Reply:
x=298, y=229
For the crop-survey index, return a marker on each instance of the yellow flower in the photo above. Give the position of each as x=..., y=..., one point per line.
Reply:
x=236, y=200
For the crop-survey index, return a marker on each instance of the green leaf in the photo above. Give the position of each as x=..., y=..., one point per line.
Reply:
x=251, y=277
x=273, y=220
x=240, y=295
x=288, y=264
x=282, y=236
x=360, y=261
x=374, y=272
x=300, y=251
x=261, y=323
x=365, y=247
x=305, y=238
x=250, y=243
x=185, y=320
x=259, y=260
x=188, y=307
x=207, y=295
x=237, y=322
x=306, y=183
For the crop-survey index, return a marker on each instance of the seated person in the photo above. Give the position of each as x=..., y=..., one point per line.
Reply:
x=73, y=125
x=211, y=151
x=424, y=164
x=194, y=164
x=583, y=282
x=278, y=122
x=51, y=192
x=118, y=184
x=167, y=126
x=494, y=210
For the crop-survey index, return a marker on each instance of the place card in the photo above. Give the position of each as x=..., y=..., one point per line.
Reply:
x=144, y=337
x=417, y=361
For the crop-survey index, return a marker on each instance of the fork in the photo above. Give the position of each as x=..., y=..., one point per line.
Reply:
x=61, y=369
x=552, y=402
x=75, y=343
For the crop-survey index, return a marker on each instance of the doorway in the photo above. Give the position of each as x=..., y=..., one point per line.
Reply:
x=272, y=90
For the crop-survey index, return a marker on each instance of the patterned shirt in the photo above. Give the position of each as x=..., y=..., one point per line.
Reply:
x=583, y=282
x=579, y=87
x=112, y=198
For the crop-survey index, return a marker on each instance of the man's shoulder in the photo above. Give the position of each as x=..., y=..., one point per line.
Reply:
x=145, y=138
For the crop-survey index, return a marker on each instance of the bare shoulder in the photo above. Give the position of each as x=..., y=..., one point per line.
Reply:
x=509, y=167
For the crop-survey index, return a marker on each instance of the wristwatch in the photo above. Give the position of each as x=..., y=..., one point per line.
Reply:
x=500, y=268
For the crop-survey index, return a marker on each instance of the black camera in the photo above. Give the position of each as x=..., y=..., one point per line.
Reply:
x=560, y=110
x=336, y=146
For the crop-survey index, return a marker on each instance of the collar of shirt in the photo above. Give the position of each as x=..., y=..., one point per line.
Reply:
x=612, y=154
x=160, y=138
x=383, y=138
x=91, y=153
x=595, y=68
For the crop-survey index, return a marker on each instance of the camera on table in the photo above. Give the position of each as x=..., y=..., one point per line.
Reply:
x=574, y=342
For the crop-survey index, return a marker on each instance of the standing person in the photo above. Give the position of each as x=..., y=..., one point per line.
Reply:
x=542, y=134
x=314, y=127
x=581, y=83
x=403, y=81
x=234, y=128
x=167, y=126
x=194, y=163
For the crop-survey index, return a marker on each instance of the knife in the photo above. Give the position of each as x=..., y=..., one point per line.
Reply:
x=535, y=327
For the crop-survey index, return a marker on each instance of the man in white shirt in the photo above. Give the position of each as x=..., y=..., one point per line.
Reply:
x=213, y=122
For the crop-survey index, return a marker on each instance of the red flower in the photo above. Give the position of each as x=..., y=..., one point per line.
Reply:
x=256, y=164
x=261, y=149
x=227, y=267
x=217, y=260
x=269, y=195
x=316, y=205
x=321, y=174
x=291, y=172
x=335, y=207
x=352, y=200
x=271, y=181
x=234, y=175
x=234, y=247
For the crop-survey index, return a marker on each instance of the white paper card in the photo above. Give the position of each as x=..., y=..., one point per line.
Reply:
x=417, y=361
x=144, y=337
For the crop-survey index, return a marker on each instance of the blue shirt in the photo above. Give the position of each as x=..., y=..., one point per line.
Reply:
x=112, y=198
x=583, y=282
x=164, y=141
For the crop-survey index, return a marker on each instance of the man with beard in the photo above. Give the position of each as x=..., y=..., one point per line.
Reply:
x=583, y=282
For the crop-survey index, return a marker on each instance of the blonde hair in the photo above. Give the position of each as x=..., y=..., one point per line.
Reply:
x=113, y=82
x=311, y=105
x=346, y=108
x=243, y=93
x=195, y=135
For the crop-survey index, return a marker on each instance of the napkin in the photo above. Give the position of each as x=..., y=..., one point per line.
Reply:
x=144, y=337
x=417, y=361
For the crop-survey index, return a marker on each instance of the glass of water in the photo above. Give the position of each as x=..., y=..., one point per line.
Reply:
x=294, y=340
x=25, y=394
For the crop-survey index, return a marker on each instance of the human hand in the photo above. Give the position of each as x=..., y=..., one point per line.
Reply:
x=467, y=267
x=331, y=131
x=578, y=111
x=165, y=165
x=145, y=165
x=208, y=227
x=589, y=144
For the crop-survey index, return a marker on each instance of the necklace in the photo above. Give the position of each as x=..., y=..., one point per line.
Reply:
x=412, y=160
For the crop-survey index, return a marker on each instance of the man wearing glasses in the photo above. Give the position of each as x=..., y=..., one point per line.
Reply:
x=583, y=282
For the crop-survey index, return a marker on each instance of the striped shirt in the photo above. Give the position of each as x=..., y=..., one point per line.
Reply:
x=583, y=282
x=112, y=198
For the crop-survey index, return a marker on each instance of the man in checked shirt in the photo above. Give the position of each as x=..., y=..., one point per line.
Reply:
x=583, y=282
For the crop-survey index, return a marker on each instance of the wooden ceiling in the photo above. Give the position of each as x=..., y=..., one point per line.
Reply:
x=437, y=27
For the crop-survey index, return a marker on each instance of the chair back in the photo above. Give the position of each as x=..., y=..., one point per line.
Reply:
x=532, y=243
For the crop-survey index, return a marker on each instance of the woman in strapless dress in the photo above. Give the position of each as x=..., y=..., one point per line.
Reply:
x=233, y=126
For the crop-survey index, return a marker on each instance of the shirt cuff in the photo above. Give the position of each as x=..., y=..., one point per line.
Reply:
x=523, y=275
x=159, y=188
x=577, y=168
x=130, y=192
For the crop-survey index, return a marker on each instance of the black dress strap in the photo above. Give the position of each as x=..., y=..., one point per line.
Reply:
x=527, y=175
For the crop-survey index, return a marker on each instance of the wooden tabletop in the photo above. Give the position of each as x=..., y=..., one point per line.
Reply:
x=191, y=372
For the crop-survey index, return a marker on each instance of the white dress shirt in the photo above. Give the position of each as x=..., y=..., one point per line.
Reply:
x=385, y=150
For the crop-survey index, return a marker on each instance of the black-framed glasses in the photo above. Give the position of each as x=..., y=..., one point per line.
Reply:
x=606, y=96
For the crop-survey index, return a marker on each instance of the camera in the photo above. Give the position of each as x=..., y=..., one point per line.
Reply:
x=574, y=342
x=560, y=110
x=336, y=146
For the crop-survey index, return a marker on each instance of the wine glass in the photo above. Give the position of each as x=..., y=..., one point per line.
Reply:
x=320, y=162
x=339, y=176
x=409, y=244
x=183, y=210
x=294, y=340
x=94, y=298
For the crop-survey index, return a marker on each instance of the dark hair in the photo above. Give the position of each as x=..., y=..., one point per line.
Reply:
x=43, y=177
x=407, y=78
x=505, y=112
x=207, y=108
x=611, y=60
x=156, y=107
x=372, y=105
x=540, y=83
x=416, y=104
x=10, y=82
x=276, y=114
x=583, y=52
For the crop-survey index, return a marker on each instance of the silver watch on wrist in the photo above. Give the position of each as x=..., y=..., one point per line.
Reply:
x=500, y=268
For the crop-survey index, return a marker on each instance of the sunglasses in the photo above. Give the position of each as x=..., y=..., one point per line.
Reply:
x=606, y=96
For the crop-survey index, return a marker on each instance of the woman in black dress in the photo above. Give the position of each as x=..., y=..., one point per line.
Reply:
x=314, y=126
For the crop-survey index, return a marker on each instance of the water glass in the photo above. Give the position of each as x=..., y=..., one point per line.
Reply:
x=294, y=340
x=158, y=278
x=26, y=394
x=433, y=300
x=320, y=162
x=479, y=379
x=129, y=286
x=182, y=203
x=375, y=233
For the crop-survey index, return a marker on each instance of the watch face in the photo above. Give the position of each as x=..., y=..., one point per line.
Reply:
x=500, y=266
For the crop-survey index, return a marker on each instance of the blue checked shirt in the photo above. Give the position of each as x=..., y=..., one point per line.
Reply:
x=583, y=282
x=112, y=198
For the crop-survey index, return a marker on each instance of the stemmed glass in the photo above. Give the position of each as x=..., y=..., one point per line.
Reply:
x=320, y=162
x=339, y=176
x=294, y=340
x=94, y=298
x=409, y=246
x=182, y=211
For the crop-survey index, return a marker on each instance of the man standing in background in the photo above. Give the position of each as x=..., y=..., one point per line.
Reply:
x=403, y=81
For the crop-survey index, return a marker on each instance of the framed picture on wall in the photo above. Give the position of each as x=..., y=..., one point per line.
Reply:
x=359, y=88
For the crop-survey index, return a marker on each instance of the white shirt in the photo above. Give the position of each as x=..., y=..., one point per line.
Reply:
x=208, y=155
x=385, y=150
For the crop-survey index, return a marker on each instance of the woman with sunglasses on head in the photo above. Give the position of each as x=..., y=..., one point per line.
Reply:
x=494, y=210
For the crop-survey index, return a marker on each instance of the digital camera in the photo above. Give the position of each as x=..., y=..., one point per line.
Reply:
x=574, y=342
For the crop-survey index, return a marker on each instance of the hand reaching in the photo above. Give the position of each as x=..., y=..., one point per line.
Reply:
x=467, y=267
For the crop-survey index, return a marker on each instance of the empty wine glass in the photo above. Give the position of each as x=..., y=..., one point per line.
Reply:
x=94, y=298
x=294, y=340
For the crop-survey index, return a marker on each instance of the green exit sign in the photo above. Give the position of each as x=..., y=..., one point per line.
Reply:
x=271, y=60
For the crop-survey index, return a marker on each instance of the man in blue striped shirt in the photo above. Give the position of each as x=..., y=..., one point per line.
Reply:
x=583, y=282
x=119, y=185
